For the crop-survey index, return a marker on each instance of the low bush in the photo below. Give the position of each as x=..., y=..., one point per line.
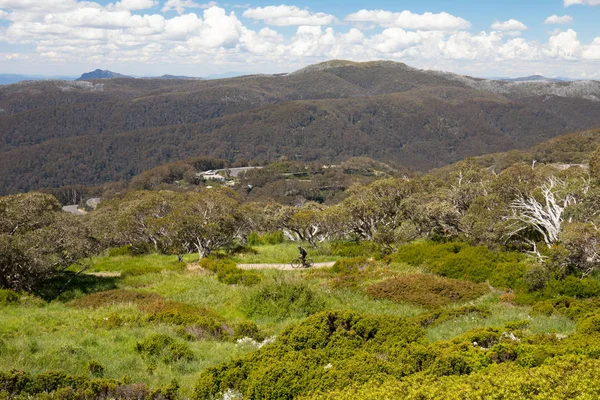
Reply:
x=573, y=287
x=567, y=306
x=427, y=290
x=352, y=272
x=256, y=239
x=228, y=273
x=442, y=315
x=95, y=369
x=568, y=377
x=327, y=350
x=164, y=348
x=283, y=299
x=463, y=261
x=60, y=386
x=8, y=297
x=120, y=251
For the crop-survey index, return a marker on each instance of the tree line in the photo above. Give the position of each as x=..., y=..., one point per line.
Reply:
x=549, y=211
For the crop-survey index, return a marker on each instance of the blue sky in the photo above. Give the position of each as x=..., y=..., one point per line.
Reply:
x=198, y=38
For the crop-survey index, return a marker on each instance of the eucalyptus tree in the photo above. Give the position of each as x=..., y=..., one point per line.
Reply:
x=38, y=240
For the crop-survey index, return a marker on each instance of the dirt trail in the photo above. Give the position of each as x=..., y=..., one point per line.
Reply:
x=283, y=267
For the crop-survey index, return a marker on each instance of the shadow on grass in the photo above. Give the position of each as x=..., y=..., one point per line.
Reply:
x=68, y=286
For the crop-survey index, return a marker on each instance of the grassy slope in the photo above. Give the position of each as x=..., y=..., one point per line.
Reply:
x=58, y=336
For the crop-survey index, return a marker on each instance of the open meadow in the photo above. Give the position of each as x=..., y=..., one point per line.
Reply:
x=150, y=319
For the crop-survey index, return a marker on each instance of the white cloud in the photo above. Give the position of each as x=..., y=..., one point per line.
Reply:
x=131, y=5
x=592, y=52
x=408, y=20
x=588, y=2
x=564, y=45
x=288, y=16
x=555, y=19
x=511, y=25
x=69, y=32
x=181, y=5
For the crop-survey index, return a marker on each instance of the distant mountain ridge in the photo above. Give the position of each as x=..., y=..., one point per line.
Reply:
x=9, y=79
x=56, y=133
x=535, y=78
x=101, y=74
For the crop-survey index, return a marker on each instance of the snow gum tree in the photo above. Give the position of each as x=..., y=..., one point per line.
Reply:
x=38, y=240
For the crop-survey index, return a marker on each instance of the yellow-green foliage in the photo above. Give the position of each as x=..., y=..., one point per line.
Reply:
x=227, y=272
x=427, y=290
x=164, y=348
x=442, y=315
x=353, y=272
x=462, y=261
x=328, y=350
x=8, y=297
x=567, y=306
x=283, y=299
x=60, y=386
x=568, y=377
x=331, y=351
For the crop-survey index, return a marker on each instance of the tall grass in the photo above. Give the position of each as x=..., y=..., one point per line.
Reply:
x=501, y=315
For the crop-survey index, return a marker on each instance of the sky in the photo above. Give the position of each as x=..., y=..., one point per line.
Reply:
x=485, y=38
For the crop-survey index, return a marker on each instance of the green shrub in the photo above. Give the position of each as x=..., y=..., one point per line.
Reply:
x=564, y=378
x=120, y=251
x=573, y=287
x=8, y=297
x=462, y=261
x=442, y=315
x=350, y=273
x=164, y=348
x=273, y=237
x=247, y=329
x=283, y=299
x=354, y=249
x=228, y=273
x=327, y=350
x=427, y=290
x=95, y=369
x=352, y=266
x=256, y=239
x=569, y=307
x=589, y=325
x=196, y=323
x=60, y=386
x=537, y=277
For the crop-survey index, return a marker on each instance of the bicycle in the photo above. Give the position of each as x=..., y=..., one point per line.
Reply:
x=297, y=263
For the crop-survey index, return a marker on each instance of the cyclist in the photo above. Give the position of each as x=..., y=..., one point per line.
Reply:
x=303, y=255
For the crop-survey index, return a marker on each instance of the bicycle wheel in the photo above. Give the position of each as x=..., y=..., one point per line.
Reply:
x=296, y=263
x=308, y=263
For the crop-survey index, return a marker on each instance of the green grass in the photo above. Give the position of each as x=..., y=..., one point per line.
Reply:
x=501, y=315
x=55, y=335
x=139, y=265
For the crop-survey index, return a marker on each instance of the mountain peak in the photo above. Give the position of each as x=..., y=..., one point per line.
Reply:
x=333, y=64
x=101, y=74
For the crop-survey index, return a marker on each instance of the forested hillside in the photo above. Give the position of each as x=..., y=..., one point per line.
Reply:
x=63, y=133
